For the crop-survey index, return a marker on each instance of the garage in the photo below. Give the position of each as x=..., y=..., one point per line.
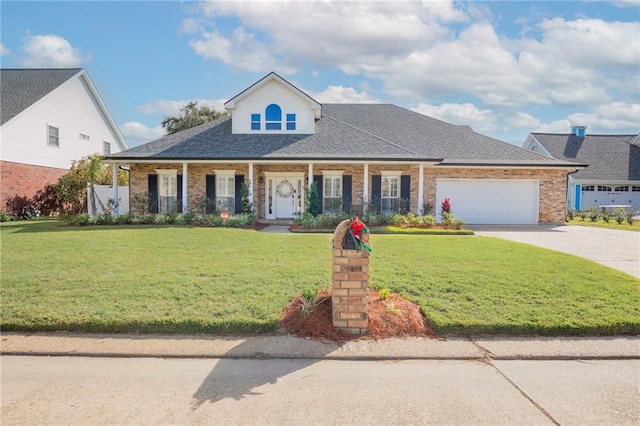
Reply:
x=499, y=202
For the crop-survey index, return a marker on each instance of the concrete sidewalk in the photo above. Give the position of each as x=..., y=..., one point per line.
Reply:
x=289, y=347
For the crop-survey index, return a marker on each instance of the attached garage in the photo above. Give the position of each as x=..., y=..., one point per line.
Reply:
x=484, y=201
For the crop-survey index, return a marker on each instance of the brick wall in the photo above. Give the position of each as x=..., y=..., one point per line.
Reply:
x=350, y=288
x=552, y=190
x=25, y=180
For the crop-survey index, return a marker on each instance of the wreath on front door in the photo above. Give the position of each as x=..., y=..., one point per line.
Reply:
x=284, y=189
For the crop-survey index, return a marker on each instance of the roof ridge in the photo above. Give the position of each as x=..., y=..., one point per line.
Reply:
x=372, y=135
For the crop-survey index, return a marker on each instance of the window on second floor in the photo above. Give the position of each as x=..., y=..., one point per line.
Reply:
x=291, y=121
x=255, y=121
x=106, y=148
x=273, y=117
x=53, y=136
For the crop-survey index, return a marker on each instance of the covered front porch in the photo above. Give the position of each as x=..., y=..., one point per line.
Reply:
x=277, y=190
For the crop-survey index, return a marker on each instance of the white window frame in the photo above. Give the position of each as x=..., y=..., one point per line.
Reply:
x=390, y=191
x=167, y=191
x=56, y=136
x=332, y=191
x=106, y=148
x=225, y=190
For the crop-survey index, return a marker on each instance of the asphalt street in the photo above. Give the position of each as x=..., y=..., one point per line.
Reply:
x=95, y=390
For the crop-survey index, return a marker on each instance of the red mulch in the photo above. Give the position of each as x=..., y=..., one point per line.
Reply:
x=393, y=317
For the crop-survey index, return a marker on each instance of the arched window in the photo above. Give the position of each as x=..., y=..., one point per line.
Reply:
x=273, y=117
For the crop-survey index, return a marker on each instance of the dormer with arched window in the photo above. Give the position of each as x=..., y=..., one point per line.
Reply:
x=273, y=105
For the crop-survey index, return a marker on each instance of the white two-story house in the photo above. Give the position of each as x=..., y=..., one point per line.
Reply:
x=48, y=119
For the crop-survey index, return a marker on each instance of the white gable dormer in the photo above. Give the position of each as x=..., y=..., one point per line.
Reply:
x=273, y=106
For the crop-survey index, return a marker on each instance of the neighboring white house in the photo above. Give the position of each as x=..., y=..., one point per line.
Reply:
x=48, y=119
x=612, y=177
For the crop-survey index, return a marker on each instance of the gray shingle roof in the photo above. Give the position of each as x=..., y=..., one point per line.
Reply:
x=610, y=157
x=21, y=88
x=345, y=132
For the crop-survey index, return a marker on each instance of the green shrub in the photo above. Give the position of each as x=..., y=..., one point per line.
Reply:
x=594, y=214
x=583, y=214
x=5, y=217
x=571, y=213
x=428, y=220
x=78, y=220
x=621, y=215
x=384, y=293
x=606, y=216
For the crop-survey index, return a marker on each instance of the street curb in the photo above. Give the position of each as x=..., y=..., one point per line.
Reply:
x=478, y=348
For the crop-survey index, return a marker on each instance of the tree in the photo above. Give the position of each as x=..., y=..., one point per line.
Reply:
x=191, y=115
x=72, y=187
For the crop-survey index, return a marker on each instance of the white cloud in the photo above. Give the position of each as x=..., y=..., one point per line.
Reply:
x=521, y=120
x=616, y=116
x=432, y=52
x=51, y=51
x=340, y=95
x=4, y=50
x=168, y=107
x=136, y=133
x=460, y=114
x=322, y=33
x=241, y=50
x=557, y=126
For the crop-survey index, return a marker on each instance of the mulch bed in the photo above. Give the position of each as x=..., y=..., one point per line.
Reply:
x=392, y=317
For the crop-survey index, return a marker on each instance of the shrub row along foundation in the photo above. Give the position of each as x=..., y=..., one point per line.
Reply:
x=350, y=283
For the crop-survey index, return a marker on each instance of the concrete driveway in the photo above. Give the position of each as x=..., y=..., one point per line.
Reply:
x=613, y=248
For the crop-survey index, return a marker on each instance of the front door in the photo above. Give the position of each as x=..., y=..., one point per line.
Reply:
x=285, y=197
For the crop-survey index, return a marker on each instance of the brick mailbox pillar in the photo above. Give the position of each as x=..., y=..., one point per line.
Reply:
x=349, y=294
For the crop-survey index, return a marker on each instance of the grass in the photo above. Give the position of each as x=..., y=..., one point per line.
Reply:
x=180, y=279
x=612, y=224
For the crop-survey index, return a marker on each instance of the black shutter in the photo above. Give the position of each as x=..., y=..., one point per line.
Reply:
x=210, y=190
x=239, y=182
x=346, y=193
x=405, y=193
x=179, y=202
x=318, y=181
x=376, y=192
x=153, y=193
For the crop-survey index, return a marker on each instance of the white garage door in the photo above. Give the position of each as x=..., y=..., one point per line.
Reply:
x=500, y=202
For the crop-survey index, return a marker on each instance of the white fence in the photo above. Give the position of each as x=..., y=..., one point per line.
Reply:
x=102, y=195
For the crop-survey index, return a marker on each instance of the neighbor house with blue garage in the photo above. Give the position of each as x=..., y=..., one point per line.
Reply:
x=278, y=141
x=613, y=176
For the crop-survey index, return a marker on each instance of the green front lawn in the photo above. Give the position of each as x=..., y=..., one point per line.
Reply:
x=612, y=224
x=184, y=279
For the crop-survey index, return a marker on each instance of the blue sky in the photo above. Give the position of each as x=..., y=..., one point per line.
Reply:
x=504, y=68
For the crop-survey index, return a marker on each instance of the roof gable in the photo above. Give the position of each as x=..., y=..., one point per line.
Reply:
x=230, y=105
x=21, y=88
x=610, y=157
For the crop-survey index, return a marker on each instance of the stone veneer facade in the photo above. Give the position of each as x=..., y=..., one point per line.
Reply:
x=552, y=187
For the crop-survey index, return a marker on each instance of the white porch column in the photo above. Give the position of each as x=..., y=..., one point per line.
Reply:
x=420, y=189
x=251, y=185
x=185, y=205
x=310, y=180
x=365, y=189
x=116, y=197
